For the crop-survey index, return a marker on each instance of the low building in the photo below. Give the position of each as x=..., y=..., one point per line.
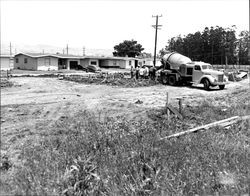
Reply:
x=6, y=62
x=35, y=61
x=149, y=62
x=119, y=62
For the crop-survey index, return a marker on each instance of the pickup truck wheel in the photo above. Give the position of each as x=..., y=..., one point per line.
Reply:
x=221, y=87
x=164, y=79
x=172, y=80
x=206, y=84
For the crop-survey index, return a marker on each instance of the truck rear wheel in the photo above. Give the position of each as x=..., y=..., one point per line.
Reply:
x=164, y=79
x=206, y=84
x=221, y=87
x=172, y=80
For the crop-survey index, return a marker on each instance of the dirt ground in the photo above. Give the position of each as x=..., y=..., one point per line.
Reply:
x=33, y=103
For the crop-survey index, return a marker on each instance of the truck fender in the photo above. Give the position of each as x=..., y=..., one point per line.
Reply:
x=209, y=77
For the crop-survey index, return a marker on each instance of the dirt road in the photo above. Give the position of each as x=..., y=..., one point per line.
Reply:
x=34, y=103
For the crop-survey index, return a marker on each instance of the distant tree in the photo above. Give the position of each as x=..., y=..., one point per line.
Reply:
x=243, y=45
x=146, y=55
x=213, y=45
x=128, y=48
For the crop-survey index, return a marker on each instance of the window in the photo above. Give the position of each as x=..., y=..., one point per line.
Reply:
x=47, y=61
x=197, y=67
x=25, y=60
x=114, y=62
x=93, y=62
x=130, y=63
x=17, y=60
x=206, y=67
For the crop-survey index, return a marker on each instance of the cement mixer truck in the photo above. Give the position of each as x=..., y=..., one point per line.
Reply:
x=179, y=69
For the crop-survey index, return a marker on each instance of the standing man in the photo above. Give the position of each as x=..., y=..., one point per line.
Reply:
x=132, y=71
x=153, y=73
x=137, y=72
x=146, y=72
x=141, y=72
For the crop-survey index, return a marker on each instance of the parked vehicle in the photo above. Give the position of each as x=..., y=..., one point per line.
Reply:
x=179, y=69
x=93, y=68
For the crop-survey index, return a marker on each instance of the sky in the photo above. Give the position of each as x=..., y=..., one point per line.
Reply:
x=103, y=24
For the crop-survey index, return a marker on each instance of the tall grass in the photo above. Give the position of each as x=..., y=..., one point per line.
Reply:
x=86, y=155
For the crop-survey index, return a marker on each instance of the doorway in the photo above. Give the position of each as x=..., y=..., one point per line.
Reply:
x=136, y=63
x=73, y=65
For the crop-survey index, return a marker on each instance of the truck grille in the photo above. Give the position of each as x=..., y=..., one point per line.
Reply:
x=220, y=78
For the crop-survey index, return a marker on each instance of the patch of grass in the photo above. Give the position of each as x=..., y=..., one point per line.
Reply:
x=87, y=155
x=83, y=156
x=6, y=83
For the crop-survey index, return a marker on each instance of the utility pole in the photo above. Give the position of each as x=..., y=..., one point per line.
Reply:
x=67, y=49
x=10, y=49
x=83, y=51
x=156, y=26
x=212, y=52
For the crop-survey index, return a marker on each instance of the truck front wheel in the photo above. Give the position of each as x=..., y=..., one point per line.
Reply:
x=172, y=80
x=221, y=87
x=206, y=84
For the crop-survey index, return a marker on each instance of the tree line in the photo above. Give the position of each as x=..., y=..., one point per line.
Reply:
x=215, y=45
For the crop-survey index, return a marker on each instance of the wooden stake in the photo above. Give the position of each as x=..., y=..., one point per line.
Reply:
x=167, y=103
x=180, y=105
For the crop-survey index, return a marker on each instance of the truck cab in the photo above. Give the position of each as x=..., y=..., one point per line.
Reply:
x=203, y=73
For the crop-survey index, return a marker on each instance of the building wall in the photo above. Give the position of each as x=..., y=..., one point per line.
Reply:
x=30, y=65
x=47, y=63
x=85, y=62
x=104, y=63
x=113, y=63
x=150, y=62
x=6, y=63
x=129, y=63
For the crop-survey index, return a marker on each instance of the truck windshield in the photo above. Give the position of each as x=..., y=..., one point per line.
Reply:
x=206, y=66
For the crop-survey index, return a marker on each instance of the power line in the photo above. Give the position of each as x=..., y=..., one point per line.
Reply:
x=156, y=26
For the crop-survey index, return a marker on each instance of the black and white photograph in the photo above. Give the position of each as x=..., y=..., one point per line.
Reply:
x=125, y=97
